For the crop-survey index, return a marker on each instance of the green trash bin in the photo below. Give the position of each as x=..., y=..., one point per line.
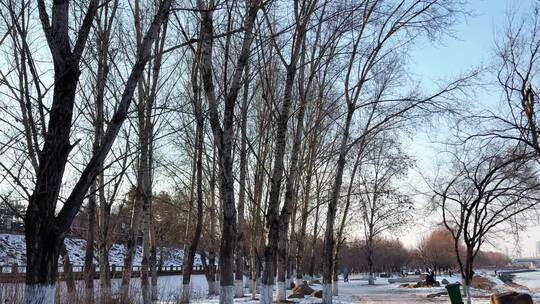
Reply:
x=454, y=293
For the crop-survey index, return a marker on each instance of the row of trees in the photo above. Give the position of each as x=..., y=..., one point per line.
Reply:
x=270, y=120
x=435, y=251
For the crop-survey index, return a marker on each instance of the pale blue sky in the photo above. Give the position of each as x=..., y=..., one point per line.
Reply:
x=472, y=46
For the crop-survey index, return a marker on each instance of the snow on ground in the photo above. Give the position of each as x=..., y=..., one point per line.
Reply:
x=529, y=279
x=355, y=291
x=13, y=249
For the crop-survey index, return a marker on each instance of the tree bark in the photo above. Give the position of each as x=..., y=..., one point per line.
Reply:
x=89, y=252
x=329, y=240
x=223, y=136
x=71, y=292
x=199, y=118
x=211, y=274
x=277, y=224
x=311, y=264
x=239, y=273
x=300, y=240
x=102, y=43
x=44, y=231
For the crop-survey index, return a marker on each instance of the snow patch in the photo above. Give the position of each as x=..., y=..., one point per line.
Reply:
x=13, y=251
x=39, y=294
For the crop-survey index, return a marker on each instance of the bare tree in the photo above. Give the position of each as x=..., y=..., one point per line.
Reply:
x=45, y=230
x=382, y=206
x=199, y=138
x=272, y=260
x=239, y=273
x=372, y=69
x=436, y=250
x=482, y=192
x=517, y=51
x=223, y=132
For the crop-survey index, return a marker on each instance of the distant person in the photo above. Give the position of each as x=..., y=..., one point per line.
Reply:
x=430, y=278
x=345, y=275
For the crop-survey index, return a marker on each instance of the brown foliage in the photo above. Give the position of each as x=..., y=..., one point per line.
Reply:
x=437, y=250
x=389, y=256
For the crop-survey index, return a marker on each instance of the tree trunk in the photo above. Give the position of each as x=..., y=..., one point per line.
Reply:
x=311, y=264
x=290, y=259
x=277, y=224
x=335, y=271
x=290, y=194
x=42, y=263
x=89, y=252
x=131, y=247
x=71, y=292
x=223, y=137
x=98, y=134
x=144, y=270
x=43, y=238
x=44, y=231
x=329, y=241
x=273, y=219
x=469, y=273
x=300, y=240
x=210, y=271
x=239, y=273
x=188, y=267
x=153, y=261
x=369, y=247
x=104, y=267
x=103, y=42
x=104, y=274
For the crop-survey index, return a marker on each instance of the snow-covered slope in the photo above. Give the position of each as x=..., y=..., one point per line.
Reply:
x=13, y=250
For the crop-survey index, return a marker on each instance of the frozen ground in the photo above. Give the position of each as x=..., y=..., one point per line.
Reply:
x=356, y=291
x=12, y=248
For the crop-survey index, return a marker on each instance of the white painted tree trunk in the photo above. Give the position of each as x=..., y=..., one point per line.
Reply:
x=186, y=294
x=39, y=294
x=253, y=287
x=266, y=294
x=246, y=281
x=467, y=291
x=310, y=279
x=298, y=282
x=281, y=293
x=335, y=290
x=238, y=289
x=371, y=279
x=327, y=294
x=226, y=295
x=212, y=287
